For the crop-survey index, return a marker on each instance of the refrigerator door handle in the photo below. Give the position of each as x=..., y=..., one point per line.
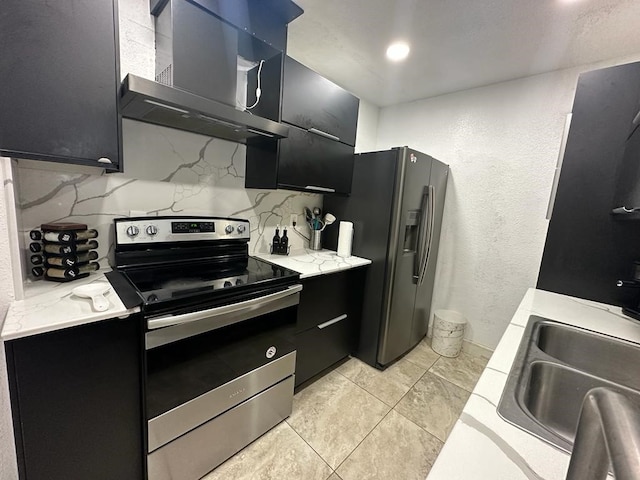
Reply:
x=422, y=234
x=428, y=218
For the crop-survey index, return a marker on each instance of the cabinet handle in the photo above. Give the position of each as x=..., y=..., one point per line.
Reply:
x=320, y=189
x=104, y=160
x=331, y=322
x=556, y=175
x=323, y=134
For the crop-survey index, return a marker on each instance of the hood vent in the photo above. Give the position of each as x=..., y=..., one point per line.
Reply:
x=202, y=83
x=153, y=102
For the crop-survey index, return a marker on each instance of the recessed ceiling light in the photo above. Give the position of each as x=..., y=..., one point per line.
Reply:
x=398, y=51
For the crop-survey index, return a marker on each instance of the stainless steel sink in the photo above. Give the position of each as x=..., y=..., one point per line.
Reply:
x=556, y=365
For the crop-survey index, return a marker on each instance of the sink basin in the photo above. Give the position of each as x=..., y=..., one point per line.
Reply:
x=556, y=365
x=592, y=353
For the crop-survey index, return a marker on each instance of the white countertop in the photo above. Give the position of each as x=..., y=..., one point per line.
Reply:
x=50, y=306
x=483, y=446
x=310, y=263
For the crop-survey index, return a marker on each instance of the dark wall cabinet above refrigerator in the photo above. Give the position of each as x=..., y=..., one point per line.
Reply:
x=317, y=156
x=314, y=103
x=60, y=79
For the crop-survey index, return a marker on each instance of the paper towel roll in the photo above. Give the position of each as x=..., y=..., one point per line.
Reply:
x=345, y=239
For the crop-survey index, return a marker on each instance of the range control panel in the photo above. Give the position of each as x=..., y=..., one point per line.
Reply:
x=130, y=231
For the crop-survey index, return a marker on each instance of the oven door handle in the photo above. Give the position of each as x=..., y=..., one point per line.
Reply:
x=248, y=305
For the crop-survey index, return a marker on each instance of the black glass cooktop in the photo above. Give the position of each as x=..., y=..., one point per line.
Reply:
x=169, y=283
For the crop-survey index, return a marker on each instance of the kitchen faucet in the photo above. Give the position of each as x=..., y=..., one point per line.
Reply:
x=608, y=435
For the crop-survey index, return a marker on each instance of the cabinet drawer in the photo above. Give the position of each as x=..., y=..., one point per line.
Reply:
x=312, y=162
x=311, y=101
x=322, y=346
x=323, y=298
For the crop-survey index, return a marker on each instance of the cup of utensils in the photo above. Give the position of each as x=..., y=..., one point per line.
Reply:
x=317, y=223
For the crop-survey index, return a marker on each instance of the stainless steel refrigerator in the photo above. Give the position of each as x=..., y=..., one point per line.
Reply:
x=396, y=204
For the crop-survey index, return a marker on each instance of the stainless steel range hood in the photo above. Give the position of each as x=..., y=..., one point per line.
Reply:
x=153, y=102
x=203, y=51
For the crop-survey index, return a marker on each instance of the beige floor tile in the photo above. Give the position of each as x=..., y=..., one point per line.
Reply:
x=278, y=454
x=396, y=449
x=334, y=476
x=463, y=370
x=434, y=404
x=333, y=415
x=422, y=355
x=389, y=385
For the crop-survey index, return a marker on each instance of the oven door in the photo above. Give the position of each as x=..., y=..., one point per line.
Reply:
x=202, y=364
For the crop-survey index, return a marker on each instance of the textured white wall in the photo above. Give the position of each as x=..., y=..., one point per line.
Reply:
x=502, y=143
x=366, y=135
x=8, y=466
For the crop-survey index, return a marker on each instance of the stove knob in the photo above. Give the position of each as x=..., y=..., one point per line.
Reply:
x=228, y=229
x=151, y=230
x=132, y=231
x=227, y=284
x=241, y=228
x=152, y=298
x=239, y=282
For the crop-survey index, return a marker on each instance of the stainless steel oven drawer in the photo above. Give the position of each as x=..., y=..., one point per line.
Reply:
x=196, y=453
x=180, y=420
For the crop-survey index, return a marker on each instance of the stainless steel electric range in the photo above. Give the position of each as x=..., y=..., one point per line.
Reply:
x=220, y=356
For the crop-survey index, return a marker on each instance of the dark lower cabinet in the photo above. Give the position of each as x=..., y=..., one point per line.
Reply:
x=328, y=321
x=76, y=398
x=60, y=80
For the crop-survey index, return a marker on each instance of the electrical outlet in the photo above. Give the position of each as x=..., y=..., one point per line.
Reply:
x=294, y=219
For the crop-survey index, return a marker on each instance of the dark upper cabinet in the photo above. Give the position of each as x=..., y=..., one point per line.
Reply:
x=317, y=155
x=627, y=194
x=312, y=162
x=60, y=79
x=314, y=103
x=588, y=249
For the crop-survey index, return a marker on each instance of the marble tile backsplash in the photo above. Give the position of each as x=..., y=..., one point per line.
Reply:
x=166, y=172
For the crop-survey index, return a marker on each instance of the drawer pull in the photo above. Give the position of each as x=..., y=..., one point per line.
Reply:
x=323, y=134
x=331, y=322
x=320, y=189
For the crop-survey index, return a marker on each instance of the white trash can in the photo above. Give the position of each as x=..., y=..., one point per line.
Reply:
x=448, y=332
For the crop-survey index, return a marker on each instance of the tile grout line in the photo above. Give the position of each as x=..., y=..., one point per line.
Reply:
x=420, y=426
x=310, y=446
x=365, y=437
x=403, y=395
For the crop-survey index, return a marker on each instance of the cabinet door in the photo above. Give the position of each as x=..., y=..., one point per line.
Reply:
x=60, y=80
x=314, y=163
x=311, y=101
x=328, y=321
x=76, y=397
x=320, y=347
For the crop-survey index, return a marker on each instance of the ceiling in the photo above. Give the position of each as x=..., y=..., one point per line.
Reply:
x=456, y=44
